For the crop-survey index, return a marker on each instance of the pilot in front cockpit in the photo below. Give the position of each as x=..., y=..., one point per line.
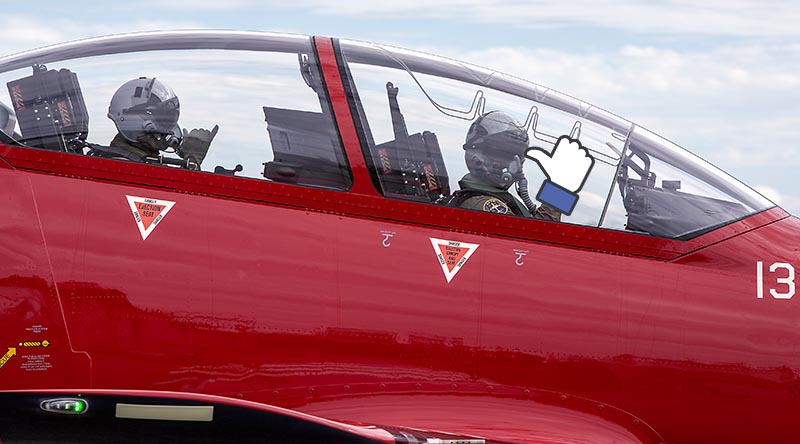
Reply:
x=145, y=112
x=494, y=151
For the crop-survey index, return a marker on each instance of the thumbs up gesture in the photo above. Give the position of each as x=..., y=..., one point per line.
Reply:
x=566, y=168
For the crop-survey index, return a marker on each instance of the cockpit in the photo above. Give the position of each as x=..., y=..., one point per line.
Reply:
x=264, y=91
x=412, y=112
x=639, y=182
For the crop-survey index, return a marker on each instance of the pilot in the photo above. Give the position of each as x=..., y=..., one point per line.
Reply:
x=494, y=151
x=145, y=112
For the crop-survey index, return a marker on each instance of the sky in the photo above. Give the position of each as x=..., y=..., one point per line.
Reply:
x=720, y=78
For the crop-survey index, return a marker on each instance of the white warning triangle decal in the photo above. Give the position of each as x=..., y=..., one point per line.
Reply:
x=452, y=255
x=148, y=213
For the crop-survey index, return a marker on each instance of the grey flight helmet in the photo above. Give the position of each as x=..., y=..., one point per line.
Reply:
x=144, y=106
x=495, y=148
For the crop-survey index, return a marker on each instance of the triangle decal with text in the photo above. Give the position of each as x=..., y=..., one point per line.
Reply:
x=452, y=255
x=148, y=213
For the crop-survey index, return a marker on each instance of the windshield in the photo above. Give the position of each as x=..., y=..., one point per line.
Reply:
x=636, y=181
x=669, y=192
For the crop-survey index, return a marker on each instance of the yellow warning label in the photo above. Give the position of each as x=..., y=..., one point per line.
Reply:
x=66, y=120
x=385, y=162
x=19, y=99
x=6, y=357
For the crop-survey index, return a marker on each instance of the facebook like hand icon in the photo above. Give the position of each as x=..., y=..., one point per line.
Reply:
x=567, y=168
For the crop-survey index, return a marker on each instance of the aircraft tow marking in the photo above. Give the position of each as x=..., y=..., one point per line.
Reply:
x=44, y=344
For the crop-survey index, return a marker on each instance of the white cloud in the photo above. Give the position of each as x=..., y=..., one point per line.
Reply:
x=714, y=17
x=790, y=203
x=737, y=106
x=770, y=193
x=198, y=5
x=724, y=101
x=22, y=33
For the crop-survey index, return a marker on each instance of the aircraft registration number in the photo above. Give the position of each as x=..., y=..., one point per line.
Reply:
x=779, y=280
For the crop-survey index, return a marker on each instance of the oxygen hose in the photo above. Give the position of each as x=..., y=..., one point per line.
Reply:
x=522, y=190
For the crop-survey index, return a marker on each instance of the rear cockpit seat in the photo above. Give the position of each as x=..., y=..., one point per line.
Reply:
x=50, y=110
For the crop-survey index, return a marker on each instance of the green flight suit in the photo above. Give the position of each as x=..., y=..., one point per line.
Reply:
x=120, y=148
x=477, y=195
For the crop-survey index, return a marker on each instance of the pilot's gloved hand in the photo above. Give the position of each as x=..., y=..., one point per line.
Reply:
x=196, y=142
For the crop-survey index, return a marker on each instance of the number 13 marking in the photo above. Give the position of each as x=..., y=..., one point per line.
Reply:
x=788, y=281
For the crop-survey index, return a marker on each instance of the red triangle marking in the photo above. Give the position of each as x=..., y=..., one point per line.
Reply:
x=148, y=212
x=452, y=255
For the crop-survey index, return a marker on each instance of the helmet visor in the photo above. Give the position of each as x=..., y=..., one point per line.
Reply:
x=161, y=107
x=497, y=123
x=497, y=134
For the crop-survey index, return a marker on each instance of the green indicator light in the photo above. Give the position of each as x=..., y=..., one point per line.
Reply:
x=70, y=406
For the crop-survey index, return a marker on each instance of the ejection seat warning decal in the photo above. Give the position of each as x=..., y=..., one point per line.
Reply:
x=148, y=213
x=12, y=351
x=452, y=255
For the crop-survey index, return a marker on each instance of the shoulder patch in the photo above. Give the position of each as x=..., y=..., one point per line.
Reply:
x=495, y=205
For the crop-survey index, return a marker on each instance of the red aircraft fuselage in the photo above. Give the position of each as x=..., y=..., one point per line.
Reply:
x=336, y=304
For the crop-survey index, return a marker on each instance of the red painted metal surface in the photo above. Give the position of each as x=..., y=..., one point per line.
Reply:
x=295, y=307
x=374, y=207
x=552, y=418
x=30, y=306
x=291, y=296
x=341, y=112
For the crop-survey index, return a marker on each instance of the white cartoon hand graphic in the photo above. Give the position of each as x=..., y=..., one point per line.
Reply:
x=567, y=168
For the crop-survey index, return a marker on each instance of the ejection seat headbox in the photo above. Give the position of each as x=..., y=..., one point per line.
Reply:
x=50, y=109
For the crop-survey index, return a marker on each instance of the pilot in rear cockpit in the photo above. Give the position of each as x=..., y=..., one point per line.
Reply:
x=145, y=112
x=494, y=151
